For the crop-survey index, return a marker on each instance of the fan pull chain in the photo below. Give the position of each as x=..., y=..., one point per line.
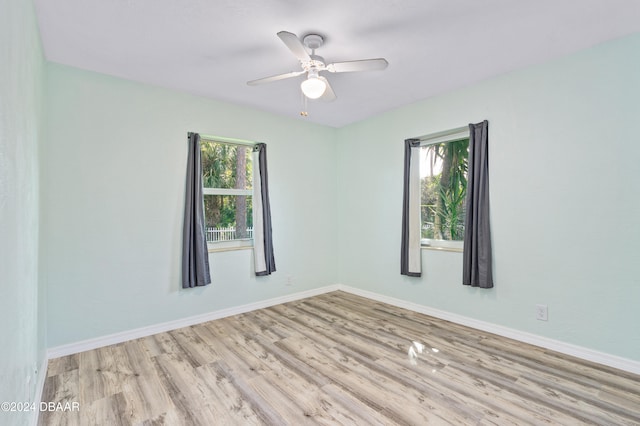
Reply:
x=304, y=112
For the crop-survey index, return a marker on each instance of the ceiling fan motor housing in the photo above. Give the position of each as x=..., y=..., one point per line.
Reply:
x=313, y=41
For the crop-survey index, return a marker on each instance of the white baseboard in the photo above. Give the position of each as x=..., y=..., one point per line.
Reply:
x=533, y=339
x=137, y=333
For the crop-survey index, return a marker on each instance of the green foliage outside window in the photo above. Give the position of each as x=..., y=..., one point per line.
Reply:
x=227, y=166
x=444, y=190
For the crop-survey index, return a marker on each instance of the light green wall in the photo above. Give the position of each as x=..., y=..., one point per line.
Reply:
x=113, y=187
x=565, y=203
x=563, y=179
x=21, y=315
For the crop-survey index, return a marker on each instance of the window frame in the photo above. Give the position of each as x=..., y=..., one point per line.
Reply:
x=240, y=244
x=451, y=135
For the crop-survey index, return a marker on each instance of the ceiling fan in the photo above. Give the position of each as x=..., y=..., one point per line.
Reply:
x=316, y=86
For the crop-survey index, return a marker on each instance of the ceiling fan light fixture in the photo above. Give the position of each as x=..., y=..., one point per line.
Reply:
x=316, y=86
x=313, y=87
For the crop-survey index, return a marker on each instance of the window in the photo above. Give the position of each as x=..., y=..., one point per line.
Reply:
x=227, y=186
x=444, y=160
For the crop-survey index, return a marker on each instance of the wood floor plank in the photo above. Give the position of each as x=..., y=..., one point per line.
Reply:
x=268, y=359
x=229, y=349
x=232, y=405
x=252, y=322
x=363, y=329
x=62, y=388
x=265, y=412
x=357, y=413
x=497, y=403
x=62, y=365
x=189, y=394
x=150, y=345
x=400, y=403
x=285, y=315
x=335, y=359
x=293, y=363
x=583, y=409
x=274, y=325
x=143, y=390
x=471, y=392
x=621, y=397
x=314, y=403
x=191, y=344
x=168, y=418
x=110, y=410
x=101, y=373
x=292, y=411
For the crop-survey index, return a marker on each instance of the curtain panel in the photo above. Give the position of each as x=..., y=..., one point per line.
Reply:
x=262, y=233
x=477, y=257
x=410, y=253
x=195, y=256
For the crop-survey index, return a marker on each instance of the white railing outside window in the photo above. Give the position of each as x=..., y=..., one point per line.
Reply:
x=224, y=234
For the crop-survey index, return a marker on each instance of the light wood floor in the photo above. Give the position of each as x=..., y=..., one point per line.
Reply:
x=335, y=359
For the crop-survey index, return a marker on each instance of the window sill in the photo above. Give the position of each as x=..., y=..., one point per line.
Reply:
x=230, y=246
x=450, y=249
x=442, y=245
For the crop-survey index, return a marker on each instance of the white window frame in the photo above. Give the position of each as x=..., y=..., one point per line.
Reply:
x=431, y=139
x=246, y=243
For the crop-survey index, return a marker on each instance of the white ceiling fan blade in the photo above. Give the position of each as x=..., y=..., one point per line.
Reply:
x=328, y=95
x=361, y=65
x=274, y=78
x=295, y=45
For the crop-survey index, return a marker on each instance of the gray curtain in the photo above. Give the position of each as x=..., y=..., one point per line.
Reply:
x=477, y=258
x=195, y=256
x=264, y=260
x=410, y=252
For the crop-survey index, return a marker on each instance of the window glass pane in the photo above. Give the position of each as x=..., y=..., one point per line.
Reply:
x=226, y=166
x=443, y=183
x=223, y=213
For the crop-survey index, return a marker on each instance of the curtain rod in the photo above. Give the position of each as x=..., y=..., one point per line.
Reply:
x=445, y=133
x=227, y=140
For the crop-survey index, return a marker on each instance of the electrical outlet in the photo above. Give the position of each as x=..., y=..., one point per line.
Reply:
x=542, y=312
x=289, y=280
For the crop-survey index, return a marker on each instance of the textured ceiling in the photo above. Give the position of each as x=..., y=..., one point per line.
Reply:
x=213, y=47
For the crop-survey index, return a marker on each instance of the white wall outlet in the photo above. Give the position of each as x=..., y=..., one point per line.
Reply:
x=289, y=280
x=542, y=312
